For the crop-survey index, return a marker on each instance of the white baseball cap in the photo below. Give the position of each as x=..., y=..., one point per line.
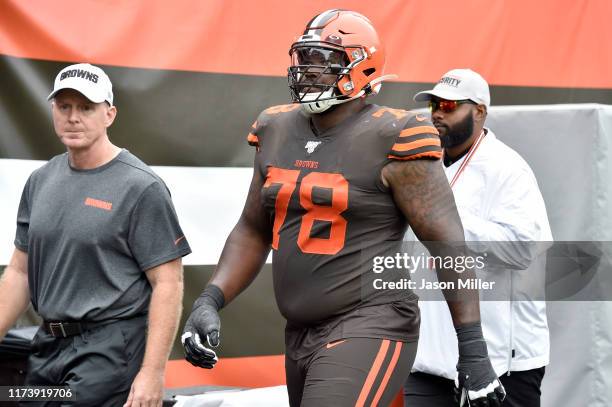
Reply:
x=459, y=84
x=90, y=80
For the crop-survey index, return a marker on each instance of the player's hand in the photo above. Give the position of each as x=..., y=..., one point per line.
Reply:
x=477, y=384
x=201, y=332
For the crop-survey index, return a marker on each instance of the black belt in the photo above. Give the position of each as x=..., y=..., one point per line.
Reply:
x=64, y=329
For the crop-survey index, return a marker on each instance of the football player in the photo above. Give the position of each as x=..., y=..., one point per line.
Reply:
x=335, y=179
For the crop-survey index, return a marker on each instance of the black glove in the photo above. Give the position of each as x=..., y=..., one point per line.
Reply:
x=203, y=322
x=477, y=384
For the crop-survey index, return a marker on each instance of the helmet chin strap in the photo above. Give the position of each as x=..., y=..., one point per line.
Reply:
x=323, y=105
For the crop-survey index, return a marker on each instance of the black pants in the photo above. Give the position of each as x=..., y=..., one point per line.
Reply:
x=350, y=372
x=424, y=390
x=99, y=365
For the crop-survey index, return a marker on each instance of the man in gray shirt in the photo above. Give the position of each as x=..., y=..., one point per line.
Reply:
x=98, y=248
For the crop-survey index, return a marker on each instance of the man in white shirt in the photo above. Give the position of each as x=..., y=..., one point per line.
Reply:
x=498, y=201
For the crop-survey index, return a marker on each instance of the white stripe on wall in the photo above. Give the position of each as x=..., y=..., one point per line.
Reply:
x=208, y=201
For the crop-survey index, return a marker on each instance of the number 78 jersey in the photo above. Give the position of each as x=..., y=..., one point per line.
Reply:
x=329, y=211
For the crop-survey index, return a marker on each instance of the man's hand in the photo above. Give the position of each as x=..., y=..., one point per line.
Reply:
x=147, y=389
x=203, y=323
x=477, y=383
x=204, y=319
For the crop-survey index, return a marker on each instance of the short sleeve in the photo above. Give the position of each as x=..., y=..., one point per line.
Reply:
x=419, y=139
x=155, y=236
x=23, y=219
x=252, y=137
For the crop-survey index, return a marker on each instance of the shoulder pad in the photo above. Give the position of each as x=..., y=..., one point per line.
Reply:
x=263, y=118
x=418, y=138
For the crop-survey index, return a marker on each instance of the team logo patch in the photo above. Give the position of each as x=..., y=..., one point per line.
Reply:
x=311, y=146
x=96, y=203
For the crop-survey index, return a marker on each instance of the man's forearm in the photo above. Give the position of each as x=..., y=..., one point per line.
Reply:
x=164, y=314
x=14, y=297
x=243, y=256
x=464, y=304
x=247, y=246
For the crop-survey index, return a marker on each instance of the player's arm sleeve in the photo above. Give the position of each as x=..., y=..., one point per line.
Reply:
x=417, y=140
x=155, y=236
x=516, y=230
x=23, y=219
x=254, y=137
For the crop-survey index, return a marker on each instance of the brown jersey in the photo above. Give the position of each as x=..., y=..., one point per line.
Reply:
x=329, y=210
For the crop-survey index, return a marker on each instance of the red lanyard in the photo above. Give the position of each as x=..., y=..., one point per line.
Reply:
x=468, y=157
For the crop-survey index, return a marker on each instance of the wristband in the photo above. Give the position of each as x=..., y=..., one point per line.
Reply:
x=213, y=296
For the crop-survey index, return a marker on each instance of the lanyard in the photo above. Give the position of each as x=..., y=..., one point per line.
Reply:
x=468, y=157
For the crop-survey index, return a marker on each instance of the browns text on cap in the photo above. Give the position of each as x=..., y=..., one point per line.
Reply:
x=87, y=79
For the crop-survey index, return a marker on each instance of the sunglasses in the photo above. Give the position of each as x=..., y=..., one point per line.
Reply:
x=447, y=106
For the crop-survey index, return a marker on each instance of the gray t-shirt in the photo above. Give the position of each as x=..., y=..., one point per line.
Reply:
x=91, y=234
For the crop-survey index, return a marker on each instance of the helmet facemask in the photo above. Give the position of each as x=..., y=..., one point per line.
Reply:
x=314, y=74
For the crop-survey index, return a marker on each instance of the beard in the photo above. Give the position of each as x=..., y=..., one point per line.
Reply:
x=457, y=134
